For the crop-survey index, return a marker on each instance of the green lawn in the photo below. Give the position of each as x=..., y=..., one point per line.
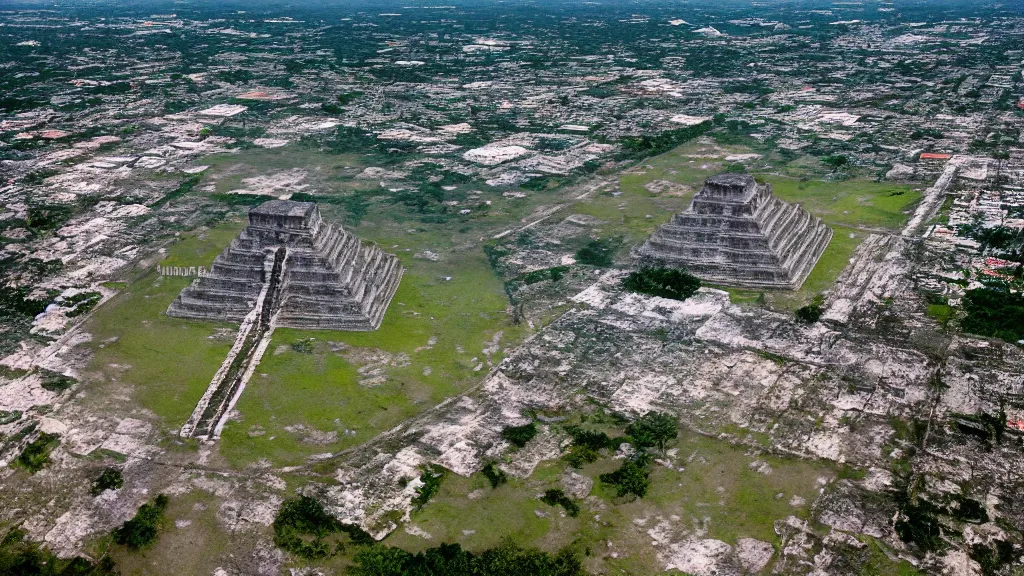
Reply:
x=849, y=203
x=136, y=343
x=321, y=390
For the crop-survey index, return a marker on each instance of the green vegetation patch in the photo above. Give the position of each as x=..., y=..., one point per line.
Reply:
x=519, y=436
x=635, y=147
x=663, y=282
x=183, y=188
x=431, y=479
x=632, y=478
x=55, y=381
x=850, y=203
x=876, y=562
x=36, y=454
x=508, y=559
x=496, y=476
x=144, y=528
x=600, y=252
x=808, y=314
x=994, y=311
x=81, y=303
x=653, y=429
x=304, y=528
x=557, y=497
x=109, y=479
x=21, y=557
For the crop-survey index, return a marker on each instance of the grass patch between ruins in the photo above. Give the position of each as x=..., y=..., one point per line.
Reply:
x=718, y=481
x=437, y=339
x=166, y=362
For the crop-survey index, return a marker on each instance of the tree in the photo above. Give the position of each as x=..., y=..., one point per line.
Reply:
x=630, y=478
x=653, y=429
x=381, y=561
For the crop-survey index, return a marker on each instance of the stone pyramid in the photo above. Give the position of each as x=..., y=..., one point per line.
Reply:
x=327, y=278
x=736, y=233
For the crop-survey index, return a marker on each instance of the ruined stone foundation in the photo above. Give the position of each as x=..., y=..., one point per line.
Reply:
x=735, y=233
x=331, y=281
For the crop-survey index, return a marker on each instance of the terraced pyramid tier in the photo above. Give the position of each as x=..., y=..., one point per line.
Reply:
x=736, y=233
x=330, y=279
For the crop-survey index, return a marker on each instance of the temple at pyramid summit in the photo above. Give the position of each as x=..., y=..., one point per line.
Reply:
x=736, y=233
x=328, y=279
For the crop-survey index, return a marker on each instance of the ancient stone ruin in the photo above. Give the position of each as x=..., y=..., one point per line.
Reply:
x=286, y=268
x=330, y=280
x=735, y=233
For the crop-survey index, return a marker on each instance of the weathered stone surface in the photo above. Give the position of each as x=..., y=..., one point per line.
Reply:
x=736, y=233
x=332, y=280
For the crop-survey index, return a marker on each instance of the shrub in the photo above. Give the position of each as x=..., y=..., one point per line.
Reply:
x=55, y=381
x=496, y=476
x=556, y=497
x=599, y=252
x=662, y=282
x=431, y=478
x=82, y=303
x=580, y=456
x=109, y=479
x=36, y=454
x=968, y=510
x=303, y=346
x=519, y=436
x=143, y=529
x=918, y=525
x=653, y=429
x=834, y=162
x=808, y=314
x=589, y=438
x=304, y=517
x=630, y=478
x=586, y=445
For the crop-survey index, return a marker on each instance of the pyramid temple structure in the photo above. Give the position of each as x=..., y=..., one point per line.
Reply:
x=736, y=233
x=329, y=279
x=287, y=268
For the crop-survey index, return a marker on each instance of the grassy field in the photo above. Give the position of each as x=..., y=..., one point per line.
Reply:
x=850, y=203
x=716, y=490
x=175, y=550
x=135, y=343
x=430, y=347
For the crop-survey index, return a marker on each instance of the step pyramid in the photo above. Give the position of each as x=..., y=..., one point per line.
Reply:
x=736, y=233
x=330, y=280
